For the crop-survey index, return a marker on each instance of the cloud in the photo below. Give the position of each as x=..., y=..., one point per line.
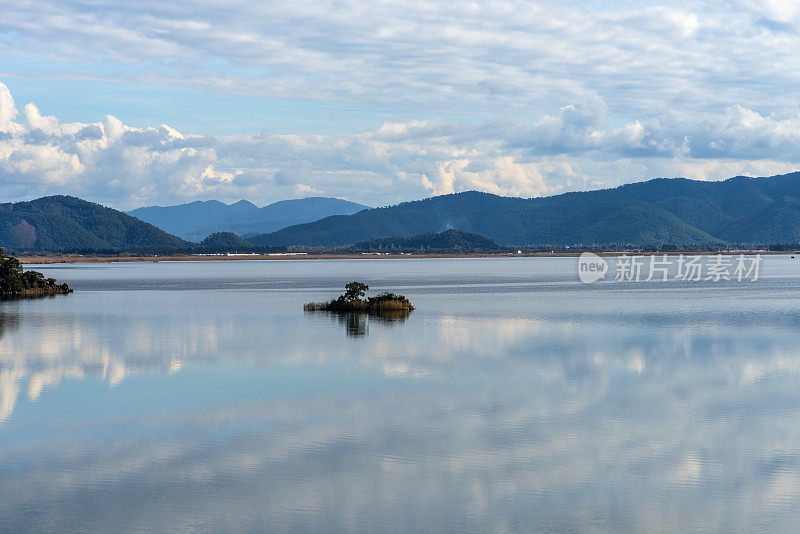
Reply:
x=526, y=99
x=7, y=110
x=494, y=56
x=576, y=148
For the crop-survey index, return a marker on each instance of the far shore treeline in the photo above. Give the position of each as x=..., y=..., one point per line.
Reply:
x=663, y=215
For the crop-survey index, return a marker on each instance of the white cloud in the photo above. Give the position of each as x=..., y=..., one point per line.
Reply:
x=41, y=164
x=7, y=110
x=577, y=148
x=495, y=56
x=604, y=93
x=35, y=120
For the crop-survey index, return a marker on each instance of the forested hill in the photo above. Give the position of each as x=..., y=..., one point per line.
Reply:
x=196, y=220
x=676, y=210
x=447, y=241
x=69, y=224
x=739, y=210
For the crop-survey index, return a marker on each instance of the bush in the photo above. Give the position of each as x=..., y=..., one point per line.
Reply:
x=14, y=281
x=351, y=301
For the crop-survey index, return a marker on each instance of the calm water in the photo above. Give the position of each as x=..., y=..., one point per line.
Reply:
x=199, y=397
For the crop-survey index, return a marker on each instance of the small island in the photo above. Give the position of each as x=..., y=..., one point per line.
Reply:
x=352, y=301
x=16, y=283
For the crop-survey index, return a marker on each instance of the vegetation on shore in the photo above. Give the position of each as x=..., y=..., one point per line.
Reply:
x=352, y=301
x=15, y=282
x=443, y=242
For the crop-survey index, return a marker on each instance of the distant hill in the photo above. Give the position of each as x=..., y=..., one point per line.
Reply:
x=447, y=241
x=225, y=242
x=69, y=224
x=228, y=242
x=676, y=210
x=196, y=220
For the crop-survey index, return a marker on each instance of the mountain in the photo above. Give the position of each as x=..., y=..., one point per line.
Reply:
x=196, y=220
x=449, y=240
x=225, y=242
x=665, y=210
x=228, y=242
x=69, y=224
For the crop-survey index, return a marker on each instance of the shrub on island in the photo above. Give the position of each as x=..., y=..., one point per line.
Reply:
x=14, y=282
x=352, y=301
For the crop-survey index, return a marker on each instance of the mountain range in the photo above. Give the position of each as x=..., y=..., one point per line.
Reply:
x=197, y=220
x=665, y=210
x=740, y=210
x=69, y=224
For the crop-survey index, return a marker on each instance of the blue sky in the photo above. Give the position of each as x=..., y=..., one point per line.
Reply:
x=378, y=102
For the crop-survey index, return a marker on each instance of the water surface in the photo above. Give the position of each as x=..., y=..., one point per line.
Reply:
x=198, y=396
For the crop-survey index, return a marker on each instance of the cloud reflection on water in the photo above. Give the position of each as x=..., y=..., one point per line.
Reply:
x=626, y=411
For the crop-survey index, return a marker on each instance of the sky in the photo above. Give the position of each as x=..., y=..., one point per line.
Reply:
x=157, y=103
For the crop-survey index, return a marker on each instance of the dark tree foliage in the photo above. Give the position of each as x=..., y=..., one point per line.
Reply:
x=14, y=281
x=784, y=247
x=351, y=301
x=388, y=298
x=225, y=242
x=10, y=274
x=354, y=291
x=447, y=241
x=222, y=242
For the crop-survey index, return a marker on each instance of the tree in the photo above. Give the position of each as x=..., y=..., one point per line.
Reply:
x=354, y=291
x=13, y=281
x=10, y=274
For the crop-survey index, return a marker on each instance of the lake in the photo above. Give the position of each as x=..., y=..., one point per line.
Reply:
x=198, y=396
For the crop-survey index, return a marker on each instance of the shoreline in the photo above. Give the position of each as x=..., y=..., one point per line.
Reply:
x=75, y=258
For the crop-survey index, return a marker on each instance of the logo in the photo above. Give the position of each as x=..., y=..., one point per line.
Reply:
x=686, y=268
x=591, y=267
